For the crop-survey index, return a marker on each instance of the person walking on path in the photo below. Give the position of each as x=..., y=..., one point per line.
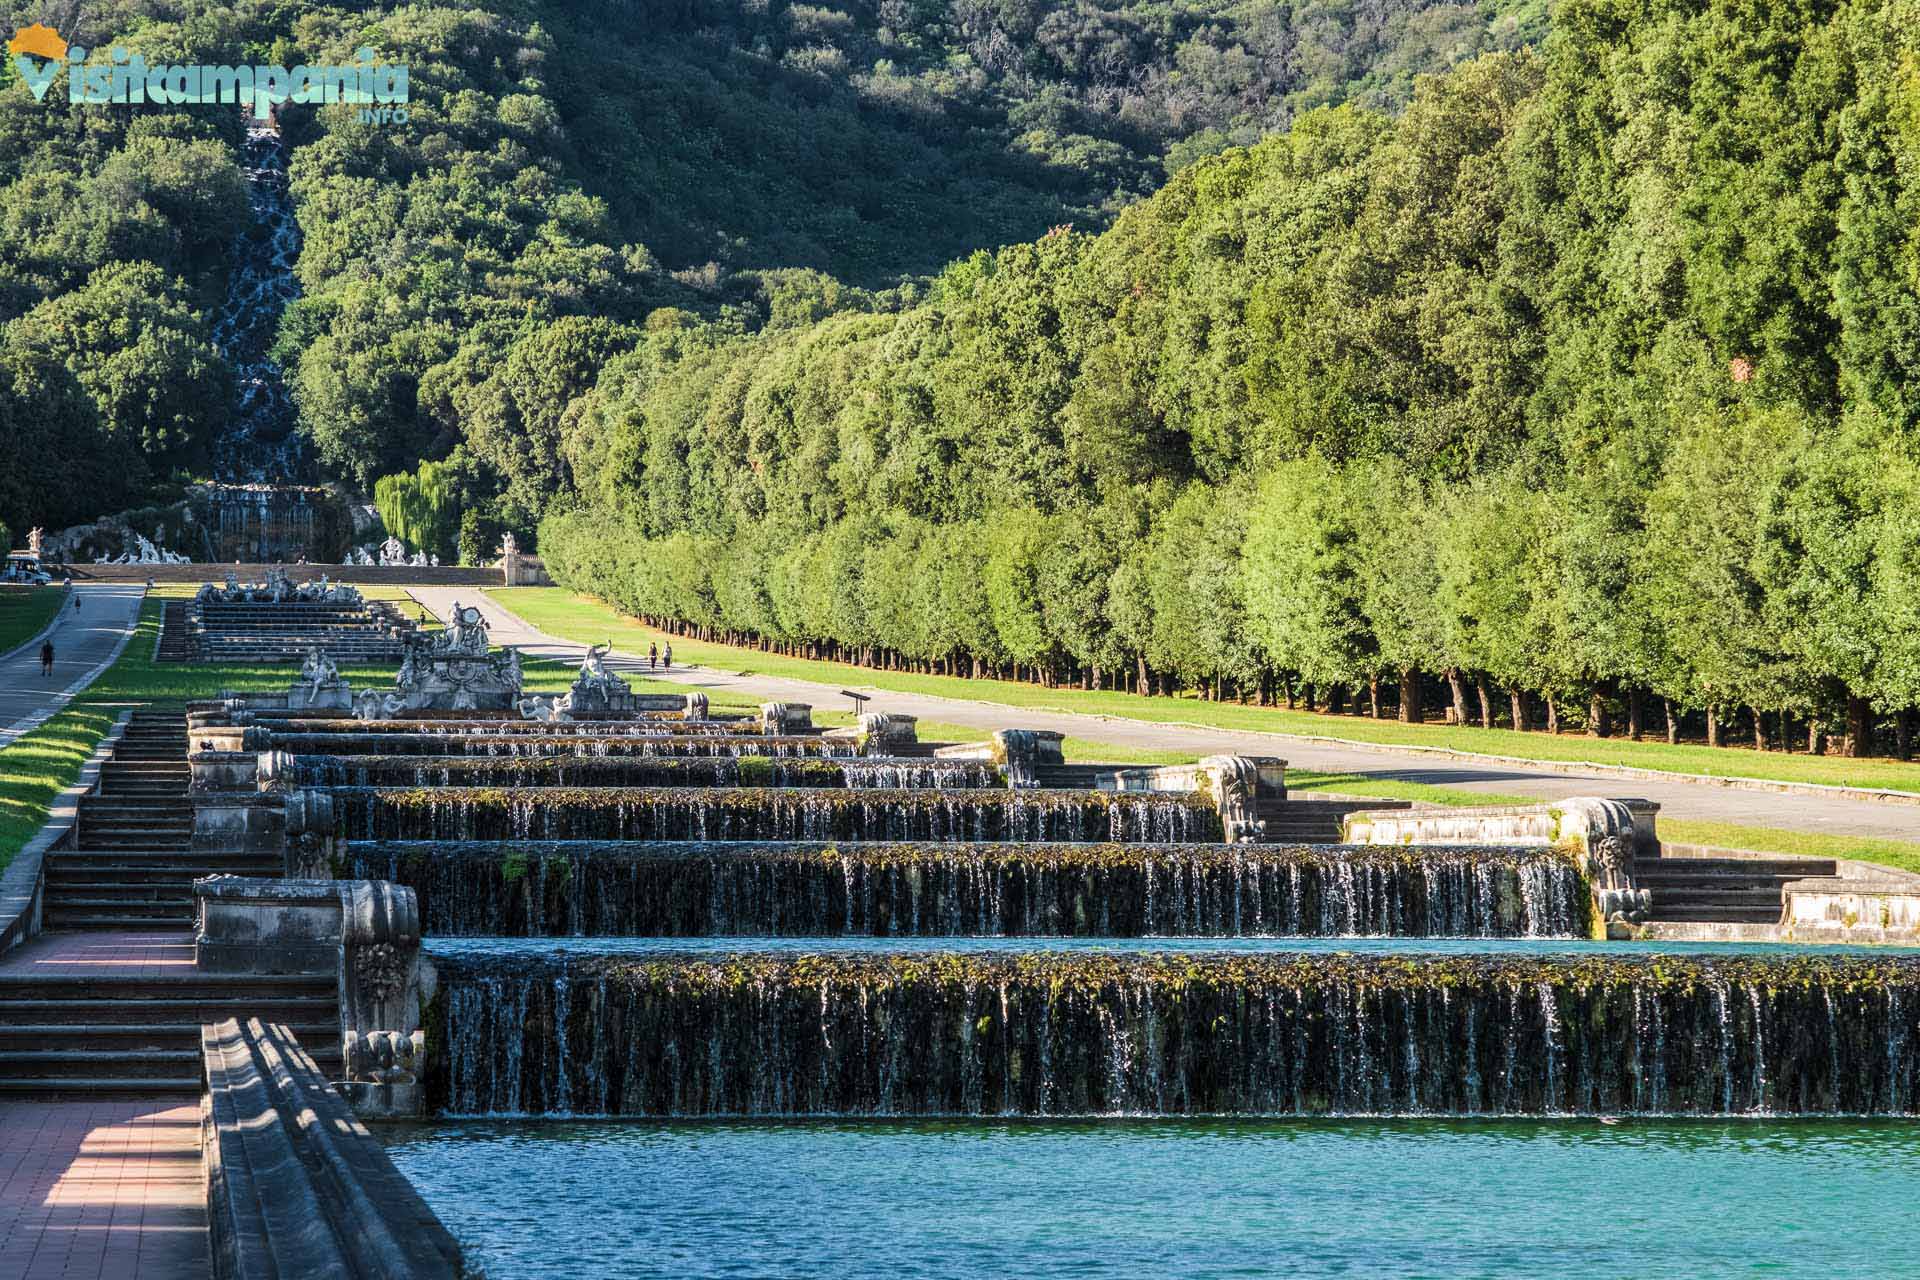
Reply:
x=46, y=658
x=653, y=656
x=666, y=659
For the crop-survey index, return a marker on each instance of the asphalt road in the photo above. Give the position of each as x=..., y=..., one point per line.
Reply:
x=1834, y=815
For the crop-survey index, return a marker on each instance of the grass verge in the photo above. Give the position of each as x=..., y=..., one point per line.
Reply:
x=585, y=620
x=25, y=612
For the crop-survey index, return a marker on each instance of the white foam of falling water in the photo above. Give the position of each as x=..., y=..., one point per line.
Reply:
x=259, y=444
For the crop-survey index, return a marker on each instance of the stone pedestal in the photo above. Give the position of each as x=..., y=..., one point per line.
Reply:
x=888, y=734
x=786, y=719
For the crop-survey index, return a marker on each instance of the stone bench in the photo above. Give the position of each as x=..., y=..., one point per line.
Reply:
x=295, y=1185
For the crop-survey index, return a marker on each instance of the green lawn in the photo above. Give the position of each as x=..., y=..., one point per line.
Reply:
x=24, y=611
x=585, y=620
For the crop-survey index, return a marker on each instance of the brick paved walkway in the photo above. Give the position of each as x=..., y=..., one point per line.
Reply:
x=159, y=954
x=106, y=1190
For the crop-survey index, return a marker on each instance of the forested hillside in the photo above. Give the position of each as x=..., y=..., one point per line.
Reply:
x=1583, y=389
x=568, y=170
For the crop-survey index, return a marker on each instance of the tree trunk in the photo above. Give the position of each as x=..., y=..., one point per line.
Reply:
x=1311, y=694
x=1518, y=698
x=1813, y=734
x=1459, y=690
x=1903, y=735
x=1598, y=723
x=1636, y=714
x=1713, y=726
x=1859, y=727
x=1336, y=699
x=1486, y=704
x=1673, y=724
x=1411, y=712
x=1553, y=715
x=1146, y=682
x=1759, y=729
x=1373, y=696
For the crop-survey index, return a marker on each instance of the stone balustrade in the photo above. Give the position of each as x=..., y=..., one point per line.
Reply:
x=296, y=1185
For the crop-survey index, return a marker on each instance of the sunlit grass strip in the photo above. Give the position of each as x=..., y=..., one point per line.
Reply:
x=38, y=766
x=25, y=613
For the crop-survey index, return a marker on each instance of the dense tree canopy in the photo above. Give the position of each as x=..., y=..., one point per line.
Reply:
x=1582, y=388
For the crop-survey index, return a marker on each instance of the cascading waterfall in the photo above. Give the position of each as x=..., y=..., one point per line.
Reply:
x=259, y=444
x=770, y=813
x=1142, y=1033
x=593, y=770
x=502, y=746
x=691, y=889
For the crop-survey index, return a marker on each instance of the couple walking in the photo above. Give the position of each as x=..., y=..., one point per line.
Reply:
x=653, y=656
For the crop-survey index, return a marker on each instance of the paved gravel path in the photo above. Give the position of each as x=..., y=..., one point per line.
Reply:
x=1677, y=798
x=85, y=641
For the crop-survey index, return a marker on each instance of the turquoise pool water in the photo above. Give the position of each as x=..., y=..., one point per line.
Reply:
x=1152, y=1199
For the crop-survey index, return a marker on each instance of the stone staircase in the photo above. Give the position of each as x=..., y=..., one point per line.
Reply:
x=133, y=866
x=1723, y=890
x=1313, y=821
x=108, y=1036
x=176, y=641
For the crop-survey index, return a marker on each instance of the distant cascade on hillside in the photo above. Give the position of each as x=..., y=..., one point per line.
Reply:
x=259, y=444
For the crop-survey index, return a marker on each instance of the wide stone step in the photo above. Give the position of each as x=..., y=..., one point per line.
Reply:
x=1681, y=897
x=138, y=898
x=172, y=904
x=1666, y=883
x=114, y=924
x=176, y=1035
x=161, y=881
x=62, y=1088
x=321, y=1008
x=1787, y=867
x=151, y=858
x=1714, y=915
x=81, y=879
x=110, y=843
x=99, y=1064
x=109, y=809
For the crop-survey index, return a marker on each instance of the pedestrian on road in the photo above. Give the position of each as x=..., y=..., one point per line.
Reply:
x=653, y=656
x=666, y=659
x=46, y=658
x=76, y=602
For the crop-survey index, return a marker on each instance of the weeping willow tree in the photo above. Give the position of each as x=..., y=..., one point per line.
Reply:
x=422, y=508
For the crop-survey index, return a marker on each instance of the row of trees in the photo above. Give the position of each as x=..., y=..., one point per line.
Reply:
x=1778, y=585
x=1587, y=379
